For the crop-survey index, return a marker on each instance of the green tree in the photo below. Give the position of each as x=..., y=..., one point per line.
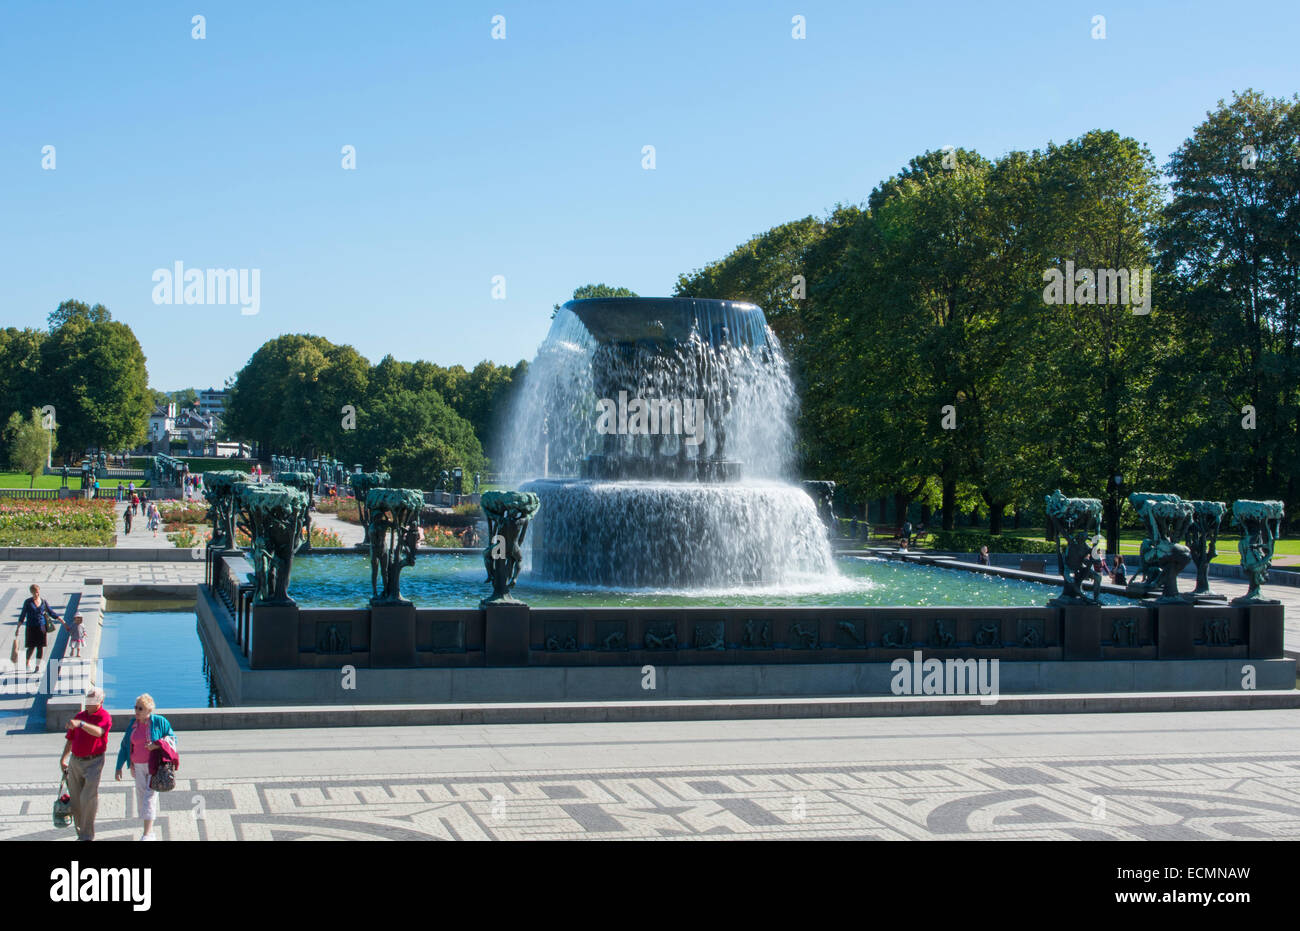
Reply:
x=290, y=396
x=1100, y=201
x=28, y=444
x=587, y=291
x=93, y=372
x=77, y=310
x=768, y=270
x=415, y=435
x=21, y=384
x=1230, y=253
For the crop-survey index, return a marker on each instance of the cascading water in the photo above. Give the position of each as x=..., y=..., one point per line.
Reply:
x=659, y=432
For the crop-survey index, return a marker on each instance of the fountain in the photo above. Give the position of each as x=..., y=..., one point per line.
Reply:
x=659, y=432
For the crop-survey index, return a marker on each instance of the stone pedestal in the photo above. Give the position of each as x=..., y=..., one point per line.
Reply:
x=1176, y=628
x=392, y=635
x=1082, y=632
x=274, y=637
x=1264, y=626
x=505, y=635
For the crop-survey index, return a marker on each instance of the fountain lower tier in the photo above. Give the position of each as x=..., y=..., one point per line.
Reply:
x=678, y=535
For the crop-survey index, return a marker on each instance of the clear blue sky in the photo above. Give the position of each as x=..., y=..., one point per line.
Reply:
x=522, y=157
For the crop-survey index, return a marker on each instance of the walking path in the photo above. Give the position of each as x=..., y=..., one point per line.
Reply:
x=140, y=537
x=1179, y=776
x=351, y=534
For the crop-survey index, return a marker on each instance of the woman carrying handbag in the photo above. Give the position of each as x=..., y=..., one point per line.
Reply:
x=146, y=733
x=36, y=614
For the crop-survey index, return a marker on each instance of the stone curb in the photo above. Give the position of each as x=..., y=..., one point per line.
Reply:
x=288, y=716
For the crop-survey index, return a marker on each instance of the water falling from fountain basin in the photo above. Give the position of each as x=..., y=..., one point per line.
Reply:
x=661, y=434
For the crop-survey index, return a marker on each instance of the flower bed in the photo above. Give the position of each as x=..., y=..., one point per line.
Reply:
x=346, y=508
x=448, y=538
x=183, y=512
x=188, y=536
x=67, y=522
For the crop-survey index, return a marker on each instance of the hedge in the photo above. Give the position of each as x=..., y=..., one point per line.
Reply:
x=962, y=541
x=200, y=463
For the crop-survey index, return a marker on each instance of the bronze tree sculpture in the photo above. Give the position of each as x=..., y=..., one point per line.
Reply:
x=1261, y=524
x=394, y=535
x=508, y=514
x=272, y=514
x=306, y=483
x=362, y=482
x=219, y=490
x=1074, y=519
x=1166, y=518
x=1202, y=540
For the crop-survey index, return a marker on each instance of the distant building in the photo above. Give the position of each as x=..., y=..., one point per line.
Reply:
x=162, y=422
x=196, y=428
x=213, y=401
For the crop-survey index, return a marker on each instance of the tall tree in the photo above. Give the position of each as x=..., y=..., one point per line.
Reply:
x=29, y=444
x=21, y=383
x=1101, y=198
x=1230, y=249
x=93, y=371
x=77, y=310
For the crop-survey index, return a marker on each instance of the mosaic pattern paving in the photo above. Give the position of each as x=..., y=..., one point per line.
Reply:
x=1201, y=797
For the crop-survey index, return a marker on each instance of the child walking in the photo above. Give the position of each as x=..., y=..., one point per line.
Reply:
x=76, y=636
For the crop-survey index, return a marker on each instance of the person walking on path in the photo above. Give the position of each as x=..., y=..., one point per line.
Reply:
x=135, y=503
x=154, y=518
x=142, y=737
x=126, y=518
x=87, y=739
x=36, y=613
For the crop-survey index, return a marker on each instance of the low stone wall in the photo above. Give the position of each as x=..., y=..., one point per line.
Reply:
x=404, y=636
x=98, y=554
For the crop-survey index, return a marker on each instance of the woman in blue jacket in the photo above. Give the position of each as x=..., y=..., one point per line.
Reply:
x=142, y=736
x=35, y=614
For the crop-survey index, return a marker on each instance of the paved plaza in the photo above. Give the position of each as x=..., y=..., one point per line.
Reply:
x=1193, y=776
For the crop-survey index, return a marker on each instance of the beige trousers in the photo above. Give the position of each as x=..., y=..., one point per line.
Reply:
x=83, y=788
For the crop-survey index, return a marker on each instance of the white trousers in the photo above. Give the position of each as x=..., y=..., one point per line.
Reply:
x=146, y=799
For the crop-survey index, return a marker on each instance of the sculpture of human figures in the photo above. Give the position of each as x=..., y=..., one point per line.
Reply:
x=394, y=537
x=1202, y=539
x=1261, y=524
x=1149, y=554
x=362, y=482
x=304, y=482
x=508, y=514
x=1169, y=517
x=219, y=490
x=272, y=515
x=1074, y=519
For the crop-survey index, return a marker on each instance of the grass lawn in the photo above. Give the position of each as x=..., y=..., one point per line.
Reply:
x=22, y=480
x=1130, y=543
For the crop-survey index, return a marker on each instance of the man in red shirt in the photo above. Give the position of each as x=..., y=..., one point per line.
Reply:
x=87, y=739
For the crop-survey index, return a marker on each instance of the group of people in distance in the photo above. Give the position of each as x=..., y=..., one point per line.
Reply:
x=1097, y=560
x=134, y=506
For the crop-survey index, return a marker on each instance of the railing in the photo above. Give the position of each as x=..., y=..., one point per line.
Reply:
x=229, y=570
x=447, y=499
x=30, y=493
